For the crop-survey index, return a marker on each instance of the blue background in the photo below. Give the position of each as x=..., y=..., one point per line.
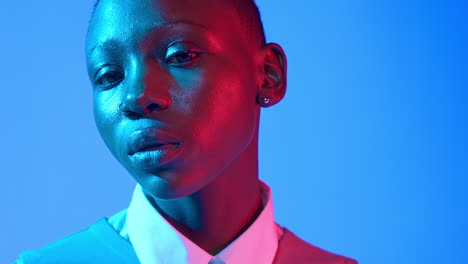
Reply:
x=366, y=155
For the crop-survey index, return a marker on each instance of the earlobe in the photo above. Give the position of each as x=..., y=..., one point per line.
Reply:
x=273, y=86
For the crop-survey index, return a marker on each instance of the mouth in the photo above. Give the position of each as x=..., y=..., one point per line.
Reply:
x=156, y=146
x=151, y=139
x=151, y=149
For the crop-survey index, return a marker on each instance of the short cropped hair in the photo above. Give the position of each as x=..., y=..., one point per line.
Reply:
x=251, y=21
x=249, y=15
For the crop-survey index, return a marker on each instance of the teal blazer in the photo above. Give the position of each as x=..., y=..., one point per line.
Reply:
x=100, y=244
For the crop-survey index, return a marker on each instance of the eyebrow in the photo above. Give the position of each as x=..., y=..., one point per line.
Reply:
x=115, y=44
x=111, y=44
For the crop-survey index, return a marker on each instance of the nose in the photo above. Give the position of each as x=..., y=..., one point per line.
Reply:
x=147, y=93
x=143, y=105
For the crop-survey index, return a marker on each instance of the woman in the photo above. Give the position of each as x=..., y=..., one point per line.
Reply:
x=178, y=89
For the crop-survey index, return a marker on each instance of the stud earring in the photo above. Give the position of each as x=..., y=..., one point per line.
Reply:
x=266, y=100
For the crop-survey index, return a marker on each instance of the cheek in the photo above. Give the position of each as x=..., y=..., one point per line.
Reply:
x=225, y=112
x=106, y=116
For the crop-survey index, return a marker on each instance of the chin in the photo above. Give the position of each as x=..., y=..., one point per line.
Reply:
x=169, y=184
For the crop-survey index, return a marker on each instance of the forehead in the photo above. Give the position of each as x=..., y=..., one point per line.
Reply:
x=131, y=21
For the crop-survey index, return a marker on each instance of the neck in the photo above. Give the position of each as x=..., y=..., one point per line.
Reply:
x=217, y=214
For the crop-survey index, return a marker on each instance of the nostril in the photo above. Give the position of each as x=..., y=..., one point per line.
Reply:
x=135, y=111
x=151, y=108
x=128, y=113
x=132, y=115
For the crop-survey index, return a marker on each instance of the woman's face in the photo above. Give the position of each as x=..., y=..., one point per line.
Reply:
x=174, y=90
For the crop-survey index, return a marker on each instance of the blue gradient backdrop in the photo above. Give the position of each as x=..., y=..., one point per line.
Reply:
x=367, y=154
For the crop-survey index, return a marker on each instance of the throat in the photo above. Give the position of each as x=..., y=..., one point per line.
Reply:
x=212, y=224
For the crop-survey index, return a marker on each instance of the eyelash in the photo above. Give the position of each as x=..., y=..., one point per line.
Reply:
x=193, y=57
x=116, y=75
x=111, y=72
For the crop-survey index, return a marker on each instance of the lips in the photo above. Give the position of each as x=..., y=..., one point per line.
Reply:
x=150, y=139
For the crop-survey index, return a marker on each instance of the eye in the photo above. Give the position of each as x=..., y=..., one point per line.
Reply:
x=108, y=77
x=183, y=58
x=180, y=55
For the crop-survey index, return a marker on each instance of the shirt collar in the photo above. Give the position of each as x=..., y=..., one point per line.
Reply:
x=156, y=241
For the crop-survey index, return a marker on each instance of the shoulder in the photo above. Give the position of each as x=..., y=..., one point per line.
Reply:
x=293, y=249
x=98, y=243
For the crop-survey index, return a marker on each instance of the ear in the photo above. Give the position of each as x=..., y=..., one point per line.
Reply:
x=273, y=75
